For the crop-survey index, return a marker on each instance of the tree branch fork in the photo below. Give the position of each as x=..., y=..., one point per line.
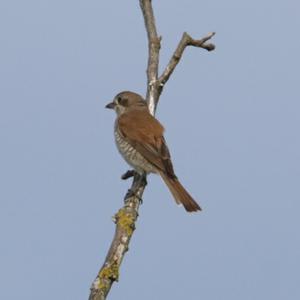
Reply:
x=155, y=82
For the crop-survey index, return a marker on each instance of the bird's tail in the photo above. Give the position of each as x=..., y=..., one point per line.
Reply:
x=180, y=194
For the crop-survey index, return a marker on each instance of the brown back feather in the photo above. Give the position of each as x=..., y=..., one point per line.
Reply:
x=145, y=134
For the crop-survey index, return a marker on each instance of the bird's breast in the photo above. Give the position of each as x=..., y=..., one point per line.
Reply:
x=132, y=156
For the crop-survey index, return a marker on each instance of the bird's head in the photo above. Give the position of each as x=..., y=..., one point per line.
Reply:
x=126, y=101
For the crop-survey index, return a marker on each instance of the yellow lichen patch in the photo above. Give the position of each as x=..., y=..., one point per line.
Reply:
x=108, y=273
x=125, y=221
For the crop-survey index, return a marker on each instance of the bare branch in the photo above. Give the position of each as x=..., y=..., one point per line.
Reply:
x=185, y=41
x=125, y=220
x=153, y=55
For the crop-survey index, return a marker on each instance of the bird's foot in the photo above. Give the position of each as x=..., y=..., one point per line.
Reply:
x=138, y=181
x=128, y=174
x=143, y=179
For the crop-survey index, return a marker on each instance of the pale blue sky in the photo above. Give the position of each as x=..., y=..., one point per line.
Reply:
x=237, y=109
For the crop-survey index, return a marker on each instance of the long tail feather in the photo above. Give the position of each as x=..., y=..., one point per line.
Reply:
x=180, y=194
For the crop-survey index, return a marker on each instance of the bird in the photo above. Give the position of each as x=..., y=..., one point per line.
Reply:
x=140, y=140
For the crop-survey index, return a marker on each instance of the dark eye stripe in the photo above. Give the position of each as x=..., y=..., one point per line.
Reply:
x=123, y=101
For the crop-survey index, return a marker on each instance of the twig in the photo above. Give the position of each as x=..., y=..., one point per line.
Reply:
x=126, y=217
x=185, y=41
x=153, y=55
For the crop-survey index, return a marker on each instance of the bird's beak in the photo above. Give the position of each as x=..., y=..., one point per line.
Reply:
x=110, y=105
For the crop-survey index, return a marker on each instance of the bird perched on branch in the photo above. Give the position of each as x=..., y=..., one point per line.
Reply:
x=139, y=138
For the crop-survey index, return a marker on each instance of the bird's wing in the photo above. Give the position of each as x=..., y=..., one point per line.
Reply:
x=145, y=134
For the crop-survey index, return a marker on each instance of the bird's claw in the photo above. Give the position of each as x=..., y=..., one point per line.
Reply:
x=128, y=174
